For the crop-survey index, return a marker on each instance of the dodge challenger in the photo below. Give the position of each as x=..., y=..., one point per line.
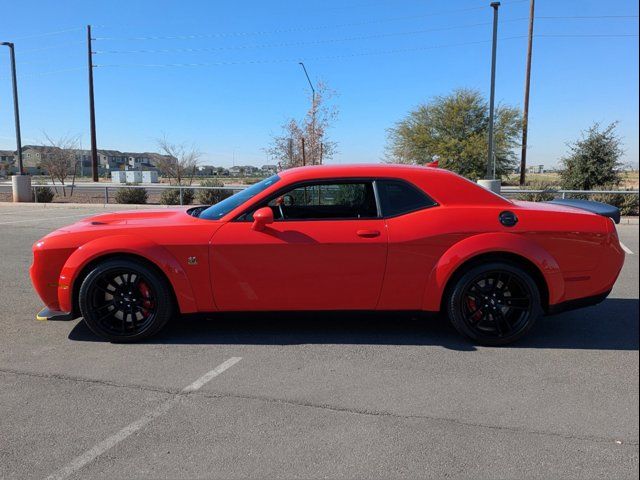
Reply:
x=349, y=237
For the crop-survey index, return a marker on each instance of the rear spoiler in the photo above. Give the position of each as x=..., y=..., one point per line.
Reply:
x=598, y=208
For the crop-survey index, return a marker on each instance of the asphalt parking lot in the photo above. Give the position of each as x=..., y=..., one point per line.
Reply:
x=331, y=396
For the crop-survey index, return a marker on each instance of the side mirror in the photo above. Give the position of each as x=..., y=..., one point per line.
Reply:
x=261, y=218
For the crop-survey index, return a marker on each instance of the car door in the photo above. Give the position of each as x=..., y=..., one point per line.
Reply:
x=326, y=250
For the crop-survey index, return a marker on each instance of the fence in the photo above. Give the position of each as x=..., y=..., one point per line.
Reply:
x=508, y=192
x=149, y=188
x=513, y=191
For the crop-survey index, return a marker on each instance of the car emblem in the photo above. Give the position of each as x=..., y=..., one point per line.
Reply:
x=192, y=261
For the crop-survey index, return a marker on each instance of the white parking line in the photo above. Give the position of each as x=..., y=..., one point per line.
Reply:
x=626, y=249
x=109, y=442
x=47, y=218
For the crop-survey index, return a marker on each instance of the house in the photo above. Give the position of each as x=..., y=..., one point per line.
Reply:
x=535, y=169
x=108, y=160
x=211, y=171
x=236, y=171
x=143, y=161
x=268, y=170
x=7, y=160
x=32, y=157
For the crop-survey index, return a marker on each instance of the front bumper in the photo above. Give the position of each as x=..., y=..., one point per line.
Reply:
x=48, y=314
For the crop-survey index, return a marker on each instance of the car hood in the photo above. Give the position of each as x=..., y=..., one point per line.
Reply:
x=151, y=218
x=158, y=224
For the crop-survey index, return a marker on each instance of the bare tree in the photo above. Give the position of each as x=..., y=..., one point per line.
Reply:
x=59, y=158
x=178, y=163
x=309, y=134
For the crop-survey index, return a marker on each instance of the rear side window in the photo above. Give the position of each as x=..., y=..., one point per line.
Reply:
x=398, y=197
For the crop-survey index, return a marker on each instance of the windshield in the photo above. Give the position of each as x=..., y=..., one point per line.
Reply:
x=220, y=209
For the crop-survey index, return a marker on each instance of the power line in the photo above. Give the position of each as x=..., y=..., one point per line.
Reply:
x=47, y=34
x=52, y=72
x=586, y=35
x=293, y=29
x=296, y=60
x=52, y=47
x=581, y=17
x=297, y=44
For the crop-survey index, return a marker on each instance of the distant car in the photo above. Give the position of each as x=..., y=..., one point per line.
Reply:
x=357, y=237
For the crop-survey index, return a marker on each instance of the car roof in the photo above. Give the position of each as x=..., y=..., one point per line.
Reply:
x=361, y=170
x=442, y=185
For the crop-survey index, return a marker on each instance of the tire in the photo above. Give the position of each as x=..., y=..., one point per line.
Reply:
x=124, y=300
x=494, y=303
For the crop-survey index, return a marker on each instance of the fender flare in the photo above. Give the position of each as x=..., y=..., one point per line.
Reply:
x=485, y=243
x=125, y=244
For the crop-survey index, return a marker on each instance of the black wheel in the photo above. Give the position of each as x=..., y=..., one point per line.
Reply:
x=124, y=300
x=494, y=303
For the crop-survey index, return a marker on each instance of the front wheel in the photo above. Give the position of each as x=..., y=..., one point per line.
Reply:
x=124, y=300
x=494, y=303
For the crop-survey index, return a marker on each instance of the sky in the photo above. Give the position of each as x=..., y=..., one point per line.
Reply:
x=223, y=76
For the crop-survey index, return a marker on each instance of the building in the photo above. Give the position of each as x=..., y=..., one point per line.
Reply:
x=244, y=171
x=269, y=170
x=143, y=161
x=7, y=162
x=535, y=169
x=33, y=156
x=211, y=171
x=108, y=160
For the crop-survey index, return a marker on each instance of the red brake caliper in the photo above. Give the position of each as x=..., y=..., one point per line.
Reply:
x=147, y=303
x=471, y=304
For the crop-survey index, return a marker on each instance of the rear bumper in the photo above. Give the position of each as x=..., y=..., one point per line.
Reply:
x=48, y=314
x=577, y=303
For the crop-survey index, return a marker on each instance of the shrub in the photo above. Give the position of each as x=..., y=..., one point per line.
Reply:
x=44, y=194
x=545, y=196
x=594, y=160
x=131, y=195
x=627, y=203
x=171, y=196
x=211, y=197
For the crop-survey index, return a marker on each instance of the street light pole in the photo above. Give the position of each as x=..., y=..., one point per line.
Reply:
x=16, y=109
x=313, y=90
x=489, y=174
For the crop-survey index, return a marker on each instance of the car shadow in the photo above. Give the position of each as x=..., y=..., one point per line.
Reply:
x=612, y=325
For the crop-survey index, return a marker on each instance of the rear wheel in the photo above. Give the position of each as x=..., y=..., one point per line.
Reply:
x=124, y=300
x=494, y=303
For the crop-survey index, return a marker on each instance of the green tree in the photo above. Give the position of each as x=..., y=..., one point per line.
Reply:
x=453, y=129
x=594, y=160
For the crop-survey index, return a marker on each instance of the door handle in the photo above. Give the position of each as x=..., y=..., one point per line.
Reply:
x=368, y=233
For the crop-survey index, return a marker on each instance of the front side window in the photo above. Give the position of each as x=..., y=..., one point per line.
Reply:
x=332, y=200
x=398, y=197
x=220, y=209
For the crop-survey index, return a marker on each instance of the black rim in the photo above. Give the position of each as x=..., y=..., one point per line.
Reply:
x=122, y=302
x=496, y=304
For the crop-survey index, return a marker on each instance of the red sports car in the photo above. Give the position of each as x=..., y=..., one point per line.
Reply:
x=366, y=237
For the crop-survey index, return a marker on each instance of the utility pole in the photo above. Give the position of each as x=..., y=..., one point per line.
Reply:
x=16, y=109
x=304, y=156
x=92, y=109
x=527, y=83
x=495, y=6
